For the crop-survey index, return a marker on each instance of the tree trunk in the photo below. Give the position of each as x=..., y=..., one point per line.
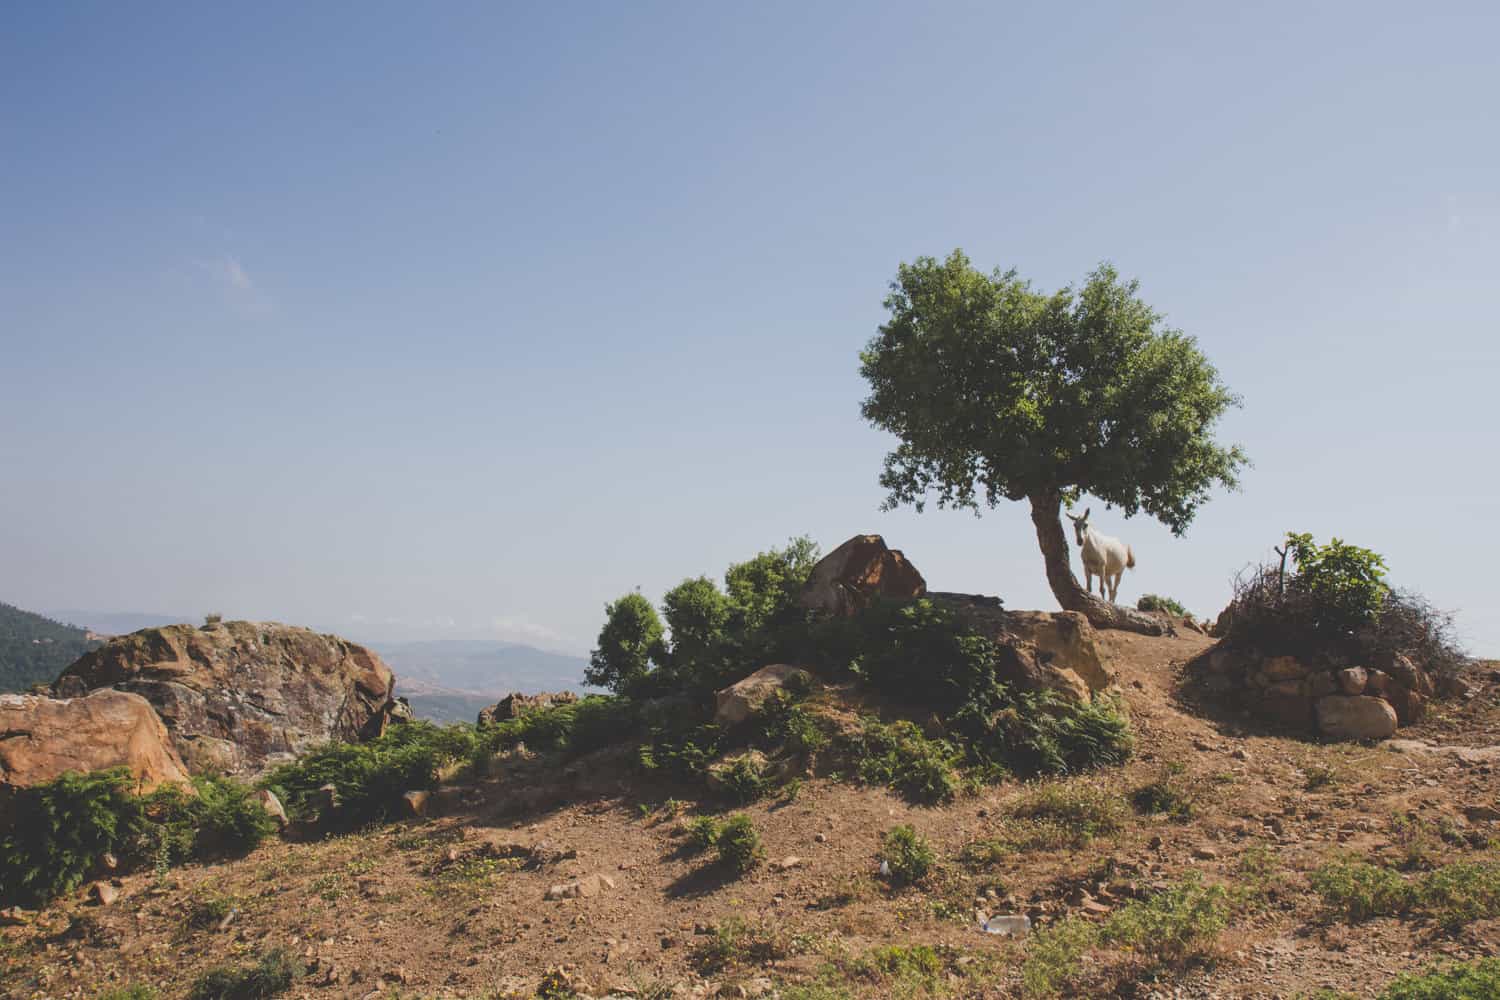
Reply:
x=1046, y=515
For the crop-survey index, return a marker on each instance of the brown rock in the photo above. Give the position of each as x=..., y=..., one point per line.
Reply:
x=1292, y=711
x=414, y=803
x=856, y=574
x=1355, y=717
x=271, y=804
x=15, y=916
x=584, y=888
x=742, y=699
x=1482, y=814
x=1352, y=680
x=44, y=737
x=103, y=893
x=1060, y=641
x=241, y=693
x=1401, y=668
x=1409, y=706
x=1376, y=681
x=1316, y=685
x=515, y=705
x=1286, y=689
x=1283, y=668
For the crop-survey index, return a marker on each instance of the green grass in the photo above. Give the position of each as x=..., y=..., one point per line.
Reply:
x=134, y=991
x=1477, y=980
x=1451, y=896
x=1166, y=795
x=1054, y=817
x=703, y=832
x=735, y=942
x=1166, y=932
x=899, y=756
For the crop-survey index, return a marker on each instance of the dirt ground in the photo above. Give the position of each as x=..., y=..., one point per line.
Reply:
x=455, y=908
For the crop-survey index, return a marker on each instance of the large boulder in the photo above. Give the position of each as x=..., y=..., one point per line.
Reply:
x=41, y=738
x=1355, y=717
x=237, y=696
x=516, y=704
x=742, y=699
x=1036, y=650
x=856, y=574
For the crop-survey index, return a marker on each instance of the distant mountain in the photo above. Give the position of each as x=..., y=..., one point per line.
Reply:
x=35, y=649
x=480, y=666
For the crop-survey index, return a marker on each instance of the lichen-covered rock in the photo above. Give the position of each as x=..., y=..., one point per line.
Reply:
x=41, y=738
x=857, y=573
x=516, y=704
x=1355, y=717
x=236, y=696
x=742, y=699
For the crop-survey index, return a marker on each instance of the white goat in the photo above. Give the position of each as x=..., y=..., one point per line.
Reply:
x=1105, y=557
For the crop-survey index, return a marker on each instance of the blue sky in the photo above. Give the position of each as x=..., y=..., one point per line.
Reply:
x=466, y=319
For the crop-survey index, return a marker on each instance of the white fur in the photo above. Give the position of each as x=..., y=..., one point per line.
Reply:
x=1105, y=557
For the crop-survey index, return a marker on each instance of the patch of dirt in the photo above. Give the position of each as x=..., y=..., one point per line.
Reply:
x=456, y=907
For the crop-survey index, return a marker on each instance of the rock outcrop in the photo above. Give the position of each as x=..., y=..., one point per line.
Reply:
x=41, y=738
x=1051, y=650
x=515, y=705
x=742, y=699
x=856, y=574
x=1359, y=701
x=236, y=696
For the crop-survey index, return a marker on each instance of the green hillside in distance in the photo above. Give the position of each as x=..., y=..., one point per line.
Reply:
x=34, y=649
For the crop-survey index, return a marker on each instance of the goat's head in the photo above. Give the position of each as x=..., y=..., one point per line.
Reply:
x=1080, y=524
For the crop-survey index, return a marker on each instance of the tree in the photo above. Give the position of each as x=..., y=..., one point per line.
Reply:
x=630, y=639
x=762, y=589
x=1000, y=392
x=697, y=612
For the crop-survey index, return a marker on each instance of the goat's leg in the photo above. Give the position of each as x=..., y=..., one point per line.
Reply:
x=1088, y=580
x=1114, y=588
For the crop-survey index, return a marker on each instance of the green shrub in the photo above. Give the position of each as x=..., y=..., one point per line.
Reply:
x=1477, y=980
x=743, y=780
x=1357, y=890
x=900, y=757
x=228, y=817
x=906, y=855
x=629, y=642
x=739, y=845
x=703, y=832
x=1156, y=602
x=1345, y=583
x=371, y=777
x=1164, y=795
x=1054, y=956
x=735, y=942
x=54, y=834
x=1035, y=733
x=1459, y=894
x=272, y=975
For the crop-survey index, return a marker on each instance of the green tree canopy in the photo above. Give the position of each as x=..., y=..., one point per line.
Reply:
x=1001, y=392
x=630, y=639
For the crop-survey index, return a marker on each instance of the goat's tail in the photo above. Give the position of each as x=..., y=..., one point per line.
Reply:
x=1129, y=557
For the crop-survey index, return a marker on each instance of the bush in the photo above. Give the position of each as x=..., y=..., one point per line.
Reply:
x=703, y=832
x=1035, y=733
x=54, y=834
x=1164, y=795
x=1477, y=980
x=900, y=757
x=1344, y=584
x=1064, y=815
x=371, y=777
x=272, y=975
x=743, y=780
x=906, y=855
x=739, y=845
x=1357, y=890
x=1156, y=602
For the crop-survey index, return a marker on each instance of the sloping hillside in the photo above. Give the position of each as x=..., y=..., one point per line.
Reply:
x=1215, y=863
x=34, y=649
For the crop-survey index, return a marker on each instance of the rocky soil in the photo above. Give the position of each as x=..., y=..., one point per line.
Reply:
x=581, y=868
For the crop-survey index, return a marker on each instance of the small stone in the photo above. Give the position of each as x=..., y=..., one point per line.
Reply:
x=585, y=888
x=1205, y=853
x=414, y=803
x=1154, y=843
x=15, y=916
x=1240, y=753
x=788, y=862
x=103, y=893
x=109, y=861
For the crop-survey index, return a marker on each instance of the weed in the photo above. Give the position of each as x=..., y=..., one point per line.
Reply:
x=906, y=855
x=1318, y=776
x=1156, y=602
x=272, y=975
x=1166, y=796
x=744, y=780
x=739, y=845
x=1356, y=890
x=1063, y=815
x=734, y=942
x=898, y=756
x=791, y=790
x=135, y=991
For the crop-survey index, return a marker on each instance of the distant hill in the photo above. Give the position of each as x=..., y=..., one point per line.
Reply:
x=480, y=666
x=35, y=649
x=120, y=622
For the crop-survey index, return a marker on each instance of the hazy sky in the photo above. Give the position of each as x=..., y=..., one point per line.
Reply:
x=467, y=319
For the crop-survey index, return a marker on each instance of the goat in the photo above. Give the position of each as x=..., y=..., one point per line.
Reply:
x=1105, y=557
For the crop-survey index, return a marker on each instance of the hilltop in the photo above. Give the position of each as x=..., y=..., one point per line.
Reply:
x=35, y=649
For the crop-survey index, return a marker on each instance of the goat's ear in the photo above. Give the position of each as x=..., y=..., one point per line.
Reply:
x=1086, y=512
